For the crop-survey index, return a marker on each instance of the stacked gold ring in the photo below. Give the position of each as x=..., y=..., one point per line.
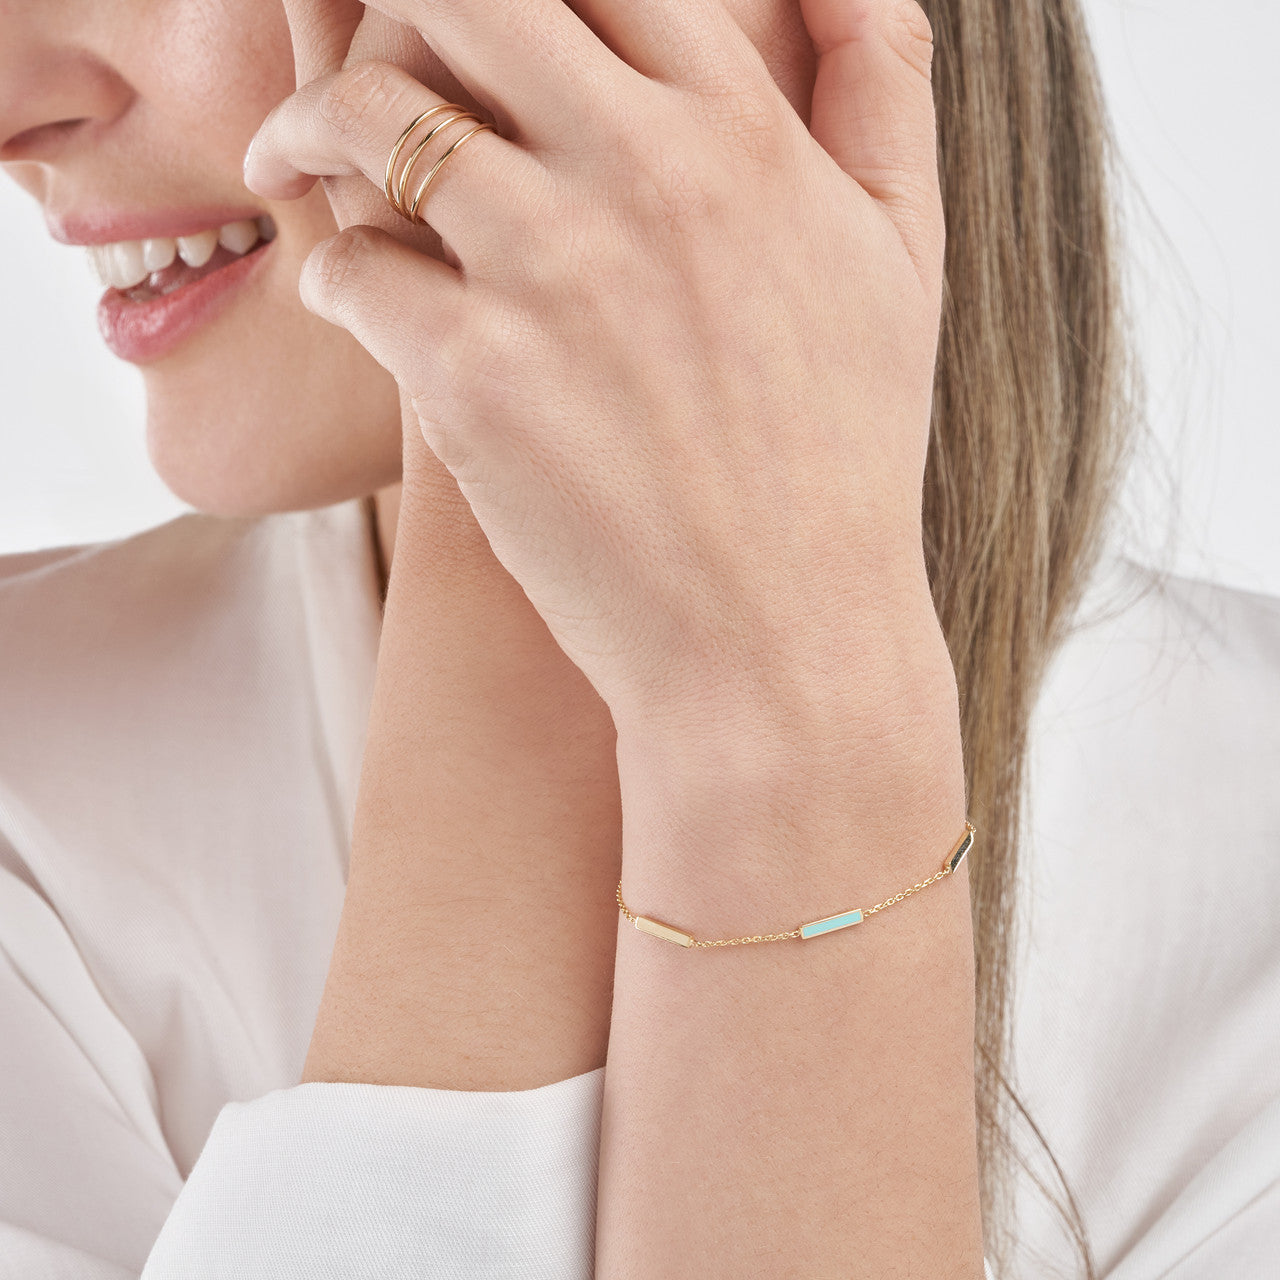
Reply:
x=396, y=198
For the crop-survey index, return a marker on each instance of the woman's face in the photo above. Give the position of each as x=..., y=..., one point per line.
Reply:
x=129, y=121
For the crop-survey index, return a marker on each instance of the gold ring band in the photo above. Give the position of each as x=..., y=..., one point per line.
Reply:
x=400, y=141
x=403, y=182
x=426, y=182
x=396, y=197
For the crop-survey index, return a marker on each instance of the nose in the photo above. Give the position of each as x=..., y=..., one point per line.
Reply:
x=54, y=94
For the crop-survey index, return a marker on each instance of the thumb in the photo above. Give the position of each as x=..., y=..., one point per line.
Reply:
x=321, y=31
x=873, y=112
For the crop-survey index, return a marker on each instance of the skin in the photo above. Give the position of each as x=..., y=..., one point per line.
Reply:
x=166, y=97
x=162, y=97
x=560, y=394
x=506, y=743
x=557, y=372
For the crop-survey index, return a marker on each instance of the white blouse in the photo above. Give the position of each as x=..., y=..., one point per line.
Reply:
x=182, y=715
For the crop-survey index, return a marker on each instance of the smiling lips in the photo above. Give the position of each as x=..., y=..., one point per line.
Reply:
x=160, y=289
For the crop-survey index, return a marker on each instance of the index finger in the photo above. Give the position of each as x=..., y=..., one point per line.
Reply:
x=322, y=32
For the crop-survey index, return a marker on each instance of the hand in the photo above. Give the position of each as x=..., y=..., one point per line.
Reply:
x=331, y=34
x=680, y=362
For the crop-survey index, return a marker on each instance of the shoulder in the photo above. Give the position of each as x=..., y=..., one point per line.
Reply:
x=111, y=633
x=168, y=554
x=1124, y=590
x=181, y=724
x=75, y=616
x=1149, y=639
x=170, y=573
x=1160, y=712
x=106, y=577
x=1147, y=942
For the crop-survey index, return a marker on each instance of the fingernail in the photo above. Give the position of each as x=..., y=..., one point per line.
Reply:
x=248, y=166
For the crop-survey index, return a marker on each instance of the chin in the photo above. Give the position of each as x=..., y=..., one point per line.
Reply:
x=252, y=427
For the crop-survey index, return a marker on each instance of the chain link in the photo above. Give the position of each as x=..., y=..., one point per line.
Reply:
x=946, y=870
x=906, y=893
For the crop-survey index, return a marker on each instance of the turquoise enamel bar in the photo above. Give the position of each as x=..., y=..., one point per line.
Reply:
x=846, y=918
x=815, y=928
x=842, y=921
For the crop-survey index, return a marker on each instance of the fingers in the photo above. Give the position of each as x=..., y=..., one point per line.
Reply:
x=693, y=44
x=533, y=61
x=321, y=31
x=873, y=112
x=350, y=121
x=409, y=311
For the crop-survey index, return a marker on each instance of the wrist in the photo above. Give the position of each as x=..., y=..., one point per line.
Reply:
x=761, y=709
x=799, y=776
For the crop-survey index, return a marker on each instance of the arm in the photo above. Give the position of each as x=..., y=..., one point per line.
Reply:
x=801, y=1107
x=475, y=948
x=703, y=467
x=782, y=1109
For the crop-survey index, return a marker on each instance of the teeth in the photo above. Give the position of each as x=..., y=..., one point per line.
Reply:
x=100, y=261
x=196, y=250
x=158, y=254
x=239, y=237
x=127, y=263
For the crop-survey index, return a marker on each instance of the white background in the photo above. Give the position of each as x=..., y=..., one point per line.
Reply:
x=1187, y=83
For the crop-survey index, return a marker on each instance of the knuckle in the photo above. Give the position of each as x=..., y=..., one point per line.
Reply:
x=470, y=350
x=753, y=125
x=527, y=252
x=450, y=445
x=358, y=97
x=911, y=35
x=686, y=169
x=591, y=258
x=672, y=178
x=534, y=261
x=334, y=261
x=473, y=353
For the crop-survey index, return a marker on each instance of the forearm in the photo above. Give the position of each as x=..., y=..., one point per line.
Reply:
x=798, y=1108
x=476, y=947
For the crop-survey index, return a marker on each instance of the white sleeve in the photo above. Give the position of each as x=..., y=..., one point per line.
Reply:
x=311, y=1181
x=332, y=1181
x=342, y=1180
x=86, y=1177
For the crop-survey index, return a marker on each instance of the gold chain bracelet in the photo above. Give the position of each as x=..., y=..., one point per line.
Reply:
x=815, y=927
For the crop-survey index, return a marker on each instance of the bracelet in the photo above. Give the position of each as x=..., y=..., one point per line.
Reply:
x=815, y=927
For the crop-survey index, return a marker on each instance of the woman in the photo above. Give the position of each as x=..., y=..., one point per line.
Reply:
x=511, y=719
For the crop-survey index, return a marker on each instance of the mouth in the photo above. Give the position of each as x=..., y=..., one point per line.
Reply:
x=161, y=289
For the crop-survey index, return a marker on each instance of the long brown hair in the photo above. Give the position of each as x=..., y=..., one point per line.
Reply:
x=1032, y=409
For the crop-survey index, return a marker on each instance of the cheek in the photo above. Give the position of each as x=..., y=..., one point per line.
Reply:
x=317, y=423
x=228, y=62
